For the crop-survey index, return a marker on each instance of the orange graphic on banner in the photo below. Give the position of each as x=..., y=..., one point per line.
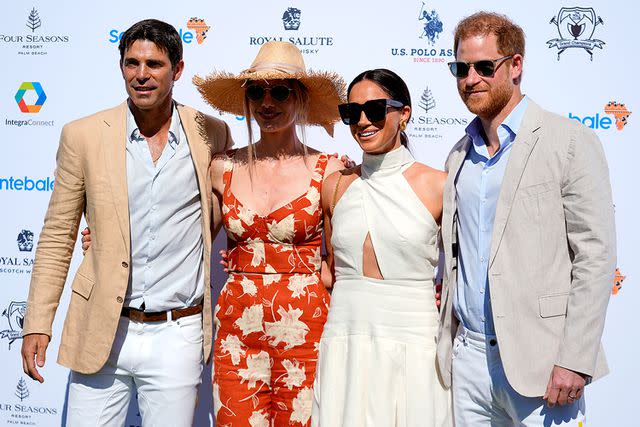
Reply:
x=617, y=282
x=200, y=27
x=619, y=111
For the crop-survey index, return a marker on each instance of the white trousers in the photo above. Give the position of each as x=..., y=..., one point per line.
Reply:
x=162, y=361
x=482, y=396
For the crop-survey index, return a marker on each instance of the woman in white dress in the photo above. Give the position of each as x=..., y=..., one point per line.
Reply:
x=377, y=364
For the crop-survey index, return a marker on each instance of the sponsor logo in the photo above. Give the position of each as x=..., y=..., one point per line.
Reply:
x=25, y=241
x=34, y=41
x=15, y=318
x=307, y=43
x=26, y=184
x=618, y=278
x=429, y=126
x=599, y=121
x=20, y=261
x=576, y=26
x=200, y=27
x=21, y=413
x=291, y=18
x=196, y=28
x=431, y=50
x=26, y=87
x=620, y=112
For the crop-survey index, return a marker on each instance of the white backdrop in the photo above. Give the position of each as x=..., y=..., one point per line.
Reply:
x=61, y=63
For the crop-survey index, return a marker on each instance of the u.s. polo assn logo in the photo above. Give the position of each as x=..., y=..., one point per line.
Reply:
x=576, y=26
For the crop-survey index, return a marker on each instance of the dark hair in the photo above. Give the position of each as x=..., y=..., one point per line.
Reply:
x=163, y=35
x=392, y=84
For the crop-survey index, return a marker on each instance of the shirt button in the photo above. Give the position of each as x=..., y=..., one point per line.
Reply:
x=481, y=259
x=124, y=264
x=119, y=299
x=154, y=207
x=153, y=237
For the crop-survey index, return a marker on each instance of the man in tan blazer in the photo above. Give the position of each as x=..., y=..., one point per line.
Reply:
x=140, y=312
x=529, y=238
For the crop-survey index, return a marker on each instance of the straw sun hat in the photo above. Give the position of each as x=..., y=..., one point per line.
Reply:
x=277, y=60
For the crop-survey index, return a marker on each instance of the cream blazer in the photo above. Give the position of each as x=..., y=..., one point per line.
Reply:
x=91, y=179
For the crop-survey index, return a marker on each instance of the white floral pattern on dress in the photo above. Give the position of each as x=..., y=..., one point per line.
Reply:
x=233, y=346
x=268, y=279
x=251, y=320
x=289, y=329
x=256, y=246
x=258, y=419
x=235, y=227
x=245, y=214
x=298, y=284
x=217, y=403
x=302, y=406
x=313, y=195
x=315, y=259
x=295, y=374
x=282, y=231
x=248, y=286
x=258, y=369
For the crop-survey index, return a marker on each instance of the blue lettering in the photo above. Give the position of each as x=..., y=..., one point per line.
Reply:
x=115, y=36
x=187, y=37
x=593, y=122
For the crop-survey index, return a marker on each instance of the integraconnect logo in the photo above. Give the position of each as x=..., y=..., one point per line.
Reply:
x=14, y=313
x=291, y=20
x=576, y=26
x=618, y=278
x=33, y=41
x=198, y=27
x=618, y=110
x=24, y=414
x=26, y=87
x=431, y=27
x=426, y=127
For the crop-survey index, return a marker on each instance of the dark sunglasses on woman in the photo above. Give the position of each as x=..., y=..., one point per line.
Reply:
x=279, y=93
x=375, y=110
x=484, y=68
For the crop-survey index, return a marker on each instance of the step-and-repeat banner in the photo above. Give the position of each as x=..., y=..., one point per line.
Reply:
x=60, y=62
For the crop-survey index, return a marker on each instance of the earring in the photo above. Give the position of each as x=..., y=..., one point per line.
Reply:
x=403, y=125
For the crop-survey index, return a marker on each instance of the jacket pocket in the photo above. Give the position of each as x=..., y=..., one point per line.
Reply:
x=82, y=286
x=553, y=305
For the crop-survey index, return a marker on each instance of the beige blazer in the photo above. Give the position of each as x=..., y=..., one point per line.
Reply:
x=91, y=179
x=553, y=253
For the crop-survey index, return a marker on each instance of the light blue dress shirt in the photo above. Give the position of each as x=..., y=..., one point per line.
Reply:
x=165, y=214
x=477, y=190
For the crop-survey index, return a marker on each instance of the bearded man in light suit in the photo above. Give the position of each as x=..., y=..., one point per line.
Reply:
x=529, y=237
x=140, y=312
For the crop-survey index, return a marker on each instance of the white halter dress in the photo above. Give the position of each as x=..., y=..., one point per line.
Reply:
x=377, y=360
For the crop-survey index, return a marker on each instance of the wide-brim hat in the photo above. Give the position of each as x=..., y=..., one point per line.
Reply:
x=277, y=60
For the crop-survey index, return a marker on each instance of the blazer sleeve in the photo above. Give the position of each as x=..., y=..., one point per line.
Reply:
x=57, y=239
x=588, y=208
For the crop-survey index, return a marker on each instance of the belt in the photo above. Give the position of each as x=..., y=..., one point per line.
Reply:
x=159, y=316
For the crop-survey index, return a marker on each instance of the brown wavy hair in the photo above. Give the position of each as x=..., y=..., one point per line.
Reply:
x=510, y=36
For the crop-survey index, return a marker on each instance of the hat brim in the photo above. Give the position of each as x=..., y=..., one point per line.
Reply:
x=225, y=92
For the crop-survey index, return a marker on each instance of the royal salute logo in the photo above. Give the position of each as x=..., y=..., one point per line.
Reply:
x=19, y=261
x=576, y=26
x=25, y=241
x=291, y=20
x=33, y=41
x=432, y=49
x=620, y=112
x=428, y=127
x=200, y=27
x=14, y=314
x=618, y=278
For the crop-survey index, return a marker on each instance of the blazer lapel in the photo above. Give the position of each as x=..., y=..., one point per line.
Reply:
x=524, y=143
x=200, y=152
x=449, y=203
x=114, y=143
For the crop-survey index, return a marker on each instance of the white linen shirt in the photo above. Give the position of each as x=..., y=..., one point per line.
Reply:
x=167, y=269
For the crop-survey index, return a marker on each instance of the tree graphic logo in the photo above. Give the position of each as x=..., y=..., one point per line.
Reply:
x=22, y=392
x=427, y=101
x=33, y=21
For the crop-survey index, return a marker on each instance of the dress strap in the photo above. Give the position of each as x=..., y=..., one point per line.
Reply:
x=227, y=174
x=320, y=169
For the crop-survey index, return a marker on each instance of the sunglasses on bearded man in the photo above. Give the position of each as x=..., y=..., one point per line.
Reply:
x=484, y=68
x=375, y=110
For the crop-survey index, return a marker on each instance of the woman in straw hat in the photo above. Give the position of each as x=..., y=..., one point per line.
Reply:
x=271, y=311
x=377, y=359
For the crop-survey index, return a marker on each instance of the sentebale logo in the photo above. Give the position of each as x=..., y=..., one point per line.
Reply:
x=200, y=27
x=576, y=26
x=618, y=278
x=26, y=87
x=619, y=111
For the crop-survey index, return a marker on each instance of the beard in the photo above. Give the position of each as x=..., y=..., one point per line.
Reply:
x=490, y=103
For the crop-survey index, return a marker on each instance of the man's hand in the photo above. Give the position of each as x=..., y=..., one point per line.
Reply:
x=34, y=351
x=438, y=294
x=86, y=239
x=565, y=386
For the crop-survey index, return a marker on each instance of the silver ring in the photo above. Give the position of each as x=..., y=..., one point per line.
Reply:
x=572, y=397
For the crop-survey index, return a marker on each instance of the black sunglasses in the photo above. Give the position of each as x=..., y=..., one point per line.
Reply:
x=485, y=68
x=279, y=93
x=375, y=110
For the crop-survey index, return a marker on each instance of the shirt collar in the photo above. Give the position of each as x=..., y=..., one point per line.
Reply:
x=174, y=132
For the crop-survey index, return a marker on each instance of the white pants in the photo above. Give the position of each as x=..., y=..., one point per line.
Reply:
x=482, y=395
x=161, y=360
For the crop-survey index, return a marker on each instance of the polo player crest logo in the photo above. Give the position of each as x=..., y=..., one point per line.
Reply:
x=291, y=18
x=432, y=25
x=25, y=241
x=15, y=316
x=576, y=26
